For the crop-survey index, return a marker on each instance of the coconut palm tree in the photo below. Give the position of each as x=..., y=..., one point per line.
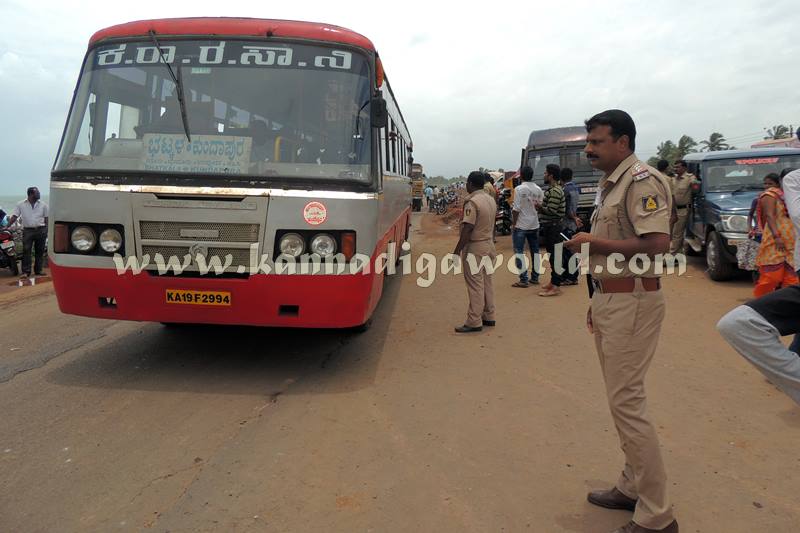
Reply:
x=686, y=145
x=779, y=131
x=714, y=143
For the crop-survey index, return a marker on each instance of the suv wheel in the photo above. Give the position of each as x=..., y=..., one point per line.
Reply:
x=718, y=268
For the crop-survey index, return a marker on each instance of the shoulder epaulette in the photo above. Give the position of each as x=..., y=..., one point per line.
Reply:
x=639, y=171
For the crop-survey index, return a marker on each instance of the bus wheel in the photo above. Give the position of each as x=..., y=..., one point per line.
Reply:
x=363, y=327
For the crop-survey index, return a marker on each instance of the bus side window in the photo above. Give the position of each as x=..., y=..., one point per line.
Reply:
x=385, y=144
x=394, y=147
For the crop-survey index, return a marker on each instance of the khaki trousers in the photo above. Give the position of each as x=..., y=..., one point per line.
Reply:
x=679, y=230
x=626, y=329
x=479, y=283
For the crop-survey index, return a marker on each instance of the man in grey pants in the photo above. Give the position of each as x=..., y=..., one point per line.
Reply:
x=755, y=329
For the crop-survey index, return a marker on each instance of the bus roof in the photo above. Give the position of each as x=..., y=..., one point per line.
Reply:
x=557, y=136
x=225, y=26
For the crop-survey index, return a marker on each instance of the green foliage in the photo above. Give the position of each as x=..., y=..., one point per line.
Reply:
x=715, y=143
x=780, y=131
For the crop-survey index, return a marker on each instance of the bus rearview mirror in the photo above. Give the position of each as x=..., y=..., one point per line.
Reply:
x=378, y=114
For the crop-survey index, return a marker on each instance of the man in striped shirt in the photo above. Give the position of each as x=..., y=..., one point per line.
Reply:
x=551, y=219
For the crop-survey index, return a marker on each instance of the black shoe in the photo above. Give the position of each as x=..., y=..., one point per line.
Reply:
x=611, y=499
x=489, y=323
x=468, y=329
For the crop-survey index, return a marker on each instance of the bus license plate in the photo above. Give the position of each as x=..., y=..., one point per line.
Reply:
x=216, y=298
x=585, y=190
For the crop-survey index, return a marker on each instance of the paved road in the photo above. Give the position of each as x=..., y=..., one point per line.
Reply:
x=124, y=426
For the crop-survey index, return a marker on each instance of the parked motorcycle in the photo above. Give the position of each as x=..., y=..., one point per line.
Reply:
x=439, y=205
x=8, y=252
x=502, y=220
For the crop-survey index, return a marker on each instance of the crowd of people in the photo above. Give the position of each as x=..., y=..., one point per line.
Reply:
x=626, y=310
x=639, y=210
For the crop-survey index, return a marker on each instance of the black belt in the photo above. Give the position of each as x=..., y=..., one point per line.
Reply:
x=682, y=206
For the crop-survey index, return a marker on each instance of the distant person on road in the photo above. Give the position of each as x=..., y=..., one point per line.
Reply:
x=551, y=218
x=572, y=222
x=775, y=259
x=488, y=186
x=474, y=245
x=428, y=195
x=663, y=167
x=525, y=226
x=33, y=214
x=681, y=188
x=627, y=309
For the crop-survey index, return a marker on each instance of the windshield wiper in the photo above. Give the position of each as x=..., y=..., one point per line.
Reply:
x=178, y=81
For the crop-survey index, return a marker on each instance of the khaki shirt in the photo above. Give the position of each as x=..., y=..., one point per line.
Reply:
x=480, y=210
x=633, y=200
x=681, y=188
x=488, y=188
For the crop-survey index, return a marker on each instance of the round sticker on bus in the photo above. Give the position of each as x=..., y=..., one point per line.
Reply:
x=315, y=213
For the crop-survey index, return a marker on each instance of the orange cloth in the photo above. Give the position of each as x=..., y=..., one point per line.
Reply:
x=768, y=253
x=772, y=279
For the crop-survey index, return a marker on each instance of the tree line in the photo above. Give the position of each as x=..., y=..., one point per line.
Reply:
x=672, y=151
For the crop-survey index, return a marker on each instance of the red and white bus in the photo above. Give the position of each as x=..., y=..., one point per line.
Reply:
x=237, y=144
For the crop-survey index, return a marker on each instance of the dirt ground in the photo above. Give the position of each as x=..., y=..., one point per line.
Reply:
x=113, y=426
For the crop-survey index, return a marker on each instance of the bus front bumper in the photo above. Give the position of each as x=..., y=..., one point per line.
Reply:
x=312, y=301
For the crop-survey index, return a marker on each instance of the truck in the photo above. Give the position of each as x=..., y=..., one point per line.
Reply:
x=564, y=147
x=417, y=186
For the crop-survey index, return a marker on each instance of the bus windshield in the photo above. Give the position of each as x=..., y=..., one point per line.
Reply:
x=253, y=108
x=538, y=161
x=746, y=173
x=572, y=158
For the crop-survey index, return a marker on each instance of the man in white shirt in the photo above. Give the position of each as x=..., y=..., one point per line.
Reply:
x=790, y=183
x=33, y=214
x=525, y=226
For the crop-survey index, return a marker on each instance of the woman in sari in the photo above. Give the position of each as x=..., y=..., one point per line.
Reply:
x=775, y=259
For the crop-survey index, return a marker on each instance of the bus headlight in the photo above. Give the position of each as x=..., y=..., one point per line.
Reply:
x=83, y=238
x=110, y=240
x=324, y=245
x=292, y=245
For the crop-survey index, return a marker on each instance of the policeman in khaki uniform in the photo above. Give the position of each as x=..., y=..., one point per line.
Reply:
x=632, y=219
x=681, y=187
x=476, y=239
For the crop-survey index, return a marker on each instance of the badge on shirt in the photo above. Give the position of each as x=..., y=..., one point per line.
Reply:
x=650, y=203
x=467, y=211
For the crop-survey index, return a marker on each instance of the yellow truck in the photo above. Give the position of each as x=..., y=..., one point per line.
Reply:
x=417, y=186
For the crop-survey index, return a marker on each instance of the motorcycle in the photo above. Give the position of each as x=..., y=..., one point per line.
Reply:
x=502, y=220
x=8, y=252
x=439, y=205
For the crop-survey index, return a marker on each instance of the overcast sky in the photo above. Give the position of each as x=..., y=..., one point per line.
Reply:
x=472, y=81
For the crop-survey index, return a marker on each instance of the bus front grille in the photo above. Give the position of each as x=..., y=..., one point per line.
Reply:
x=239, y=256
x=202, y=231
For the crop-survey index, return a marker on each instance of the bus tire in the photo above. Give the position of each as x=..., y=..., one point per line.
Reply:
x=363, y=328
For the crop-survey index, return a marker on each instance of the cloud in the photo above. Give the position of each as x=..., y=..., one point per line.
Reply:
x=472, y=83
